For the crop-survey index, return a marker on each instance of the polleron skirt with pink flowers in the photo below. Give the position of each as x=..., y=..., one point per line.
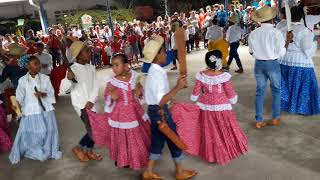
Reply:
x=5, y=137
x=129, y=147
x=222, y=138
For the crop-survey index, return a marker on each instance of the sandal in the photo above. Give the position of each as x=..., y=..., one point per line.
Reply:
x=151, y=176
x=80, y=155
x=94, y=156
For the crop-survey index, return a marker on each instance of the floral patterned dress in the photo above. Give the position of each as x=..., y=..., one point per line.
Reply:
x=222, y=138
x=129, y=129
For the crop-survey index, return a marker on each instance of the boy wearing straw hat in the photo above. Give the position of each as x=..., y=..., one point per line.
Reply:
x=84, y=94
x=157, y=95
x=267, y=45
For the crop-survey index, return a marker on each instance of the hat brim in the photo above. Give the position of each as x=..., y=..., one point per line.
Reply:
x=255, y=16
x=18, y=53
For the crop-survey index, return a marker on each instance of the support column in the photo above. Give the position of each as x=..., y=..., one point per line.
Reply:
x=110, y=19
x=43, y=18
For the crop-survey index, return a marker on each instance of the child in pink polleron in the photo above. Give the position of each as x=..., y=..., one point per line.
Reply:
x=222, y=138
x=129, y=134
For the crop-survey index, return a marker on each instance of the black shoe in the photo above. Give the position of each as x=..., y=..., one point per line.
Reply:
x=240, y=71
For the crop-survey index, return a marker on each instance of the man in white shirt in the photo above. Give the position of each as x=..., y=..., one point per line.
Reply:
x=267, y=45
x=233, y=37
x=157, y=95
x=45, y=59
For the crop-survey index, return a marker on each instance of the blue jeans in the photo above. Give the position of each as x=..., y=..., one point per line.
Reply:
x=158, y=139
x=264, y=71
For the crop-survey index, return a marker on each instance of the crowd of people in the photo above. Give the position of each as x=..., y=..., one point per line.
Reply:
x=39, y=68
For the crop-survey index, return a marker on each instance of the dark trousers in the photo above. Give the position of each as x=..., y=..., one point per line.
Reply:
x=175, y=57
x=188, y=46
x=234, y=53
x=86, y=142
x=140, y=49
x=191, y=41
x=157, y=138
x=56, y=57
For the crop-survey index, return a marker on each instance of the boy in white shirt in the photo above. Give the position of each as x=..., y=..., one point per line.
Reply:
x=45, y=59
x=234, y=34
x=157, y=96
x=82, y=84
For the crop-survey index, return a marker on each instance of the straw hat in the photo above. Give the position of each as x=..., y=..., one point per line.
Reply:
x=16, y=49
x=264, y=14
x=233, y=19
x=76, y=48
x=152, y=48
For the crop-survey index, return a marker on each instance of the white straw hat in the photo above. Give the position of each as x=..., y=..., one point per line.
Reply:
x=264, y=14
x=76, y=48
x=152, y=48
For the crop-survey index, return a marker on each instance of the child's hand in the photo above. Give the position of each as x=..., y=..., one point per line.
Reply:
x=89, y=105
x=70, y=75
x=138, y=90
x=40, y=94
x=182, y=82
x=112, y=92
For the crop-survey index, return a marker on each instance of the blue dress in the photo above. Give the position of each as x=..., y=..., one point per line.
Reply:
x=299, y=86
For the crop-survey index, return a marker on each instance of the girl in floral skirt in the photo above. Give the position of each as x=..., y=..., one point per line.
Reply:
x=222, y=138
x=129, y=133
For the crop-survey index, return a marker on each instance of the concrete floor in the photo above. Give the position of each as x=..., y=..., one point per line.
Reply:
x=288, y=152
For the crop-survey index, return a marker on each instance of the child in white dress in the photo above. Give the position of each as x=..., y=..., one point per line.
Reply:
x=37, y=137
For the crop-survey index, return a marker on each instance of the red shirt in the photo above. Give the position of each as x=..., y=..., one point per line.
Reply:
x=115, y=46
x=132, y=39
x=164, y=35
x=53, y=43
x=32, y=50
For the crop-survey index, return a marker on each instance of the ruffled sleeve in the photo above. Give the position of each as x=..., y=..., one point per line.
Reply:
x=196, y=90
x=109, y=103
x=231, y=94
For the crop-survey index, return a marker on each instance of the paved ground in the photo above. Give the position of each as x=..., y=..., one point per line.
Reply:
x=289, y=152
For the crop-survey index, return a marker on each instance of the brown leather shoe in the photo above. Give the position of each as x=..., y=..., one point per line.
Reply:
x=274, y=122
x=260, y=125
x=186, y=174
x=80, y=155
x=151, y=176
x=94, y=156
x=240, y=71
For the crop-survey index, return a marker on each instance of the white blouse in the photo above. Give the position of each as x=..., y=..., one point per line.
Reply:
x=25, y=94
x=86, y=89
x=300, y=52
